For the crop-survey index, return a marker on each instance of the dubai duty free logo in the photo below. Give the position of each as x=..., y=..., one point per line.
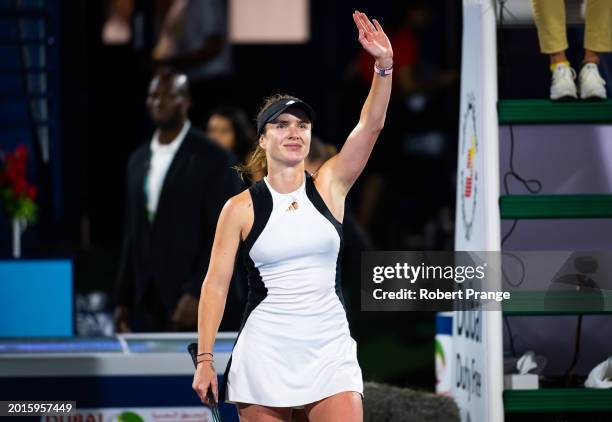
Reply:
x=468, y=176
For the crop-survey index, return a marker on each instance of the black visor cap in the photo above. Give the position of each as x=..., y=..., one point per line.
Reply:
x=278, y=108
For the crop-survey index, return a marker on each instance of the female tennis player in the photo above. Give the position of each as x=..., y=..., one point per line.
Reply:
x=294, y=349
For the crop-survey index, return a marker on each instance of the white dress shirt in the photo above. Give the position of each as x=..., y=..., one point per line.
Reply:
x=161, y=158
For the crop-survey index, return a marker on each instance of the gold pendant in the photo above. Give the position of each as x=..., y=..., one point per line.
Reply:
x=293, y=206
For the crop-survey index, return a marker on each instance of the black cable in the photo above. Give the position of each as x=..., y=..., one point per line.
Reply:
x=507, y=235
x=514, y=174
x=572, y=368
x=507, y=280
x=525, y=182
x=510, y=336
x=502, y=65
x=523, y=272
x=534, y=190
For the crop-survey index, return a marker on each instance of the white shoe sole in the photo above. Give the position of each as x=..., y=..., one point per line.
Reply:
x=594, y=96
x=564, y=98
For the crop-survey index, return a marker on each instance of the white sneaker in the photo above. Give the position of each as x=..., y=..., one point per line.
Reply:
x=592, y=85
x=563, y=87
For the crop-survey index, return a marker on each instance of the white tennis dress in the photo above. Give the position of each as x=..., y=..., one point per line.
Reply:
x=294, y=346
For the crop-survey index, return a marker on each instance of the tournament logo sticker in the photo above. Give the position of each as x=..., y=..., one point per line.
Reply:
x=468, y=175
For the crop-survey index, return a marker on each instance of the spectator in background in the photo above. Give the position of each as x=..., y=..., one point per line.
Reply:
x=176, y=186
x=549, y=16
x=117, y=28
x=229, y=127
x=193, y=38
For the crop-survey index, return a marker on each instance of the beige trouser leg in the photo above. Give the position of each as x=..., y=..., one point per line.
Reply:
x=549, y=17
x=598, y=25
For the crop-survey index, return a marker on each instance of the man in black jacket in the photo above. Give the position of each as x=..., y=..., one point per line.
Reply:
x=176, y=186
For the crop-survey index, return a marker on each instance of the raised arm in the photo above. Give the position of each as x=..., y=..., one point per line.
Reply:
x=344, y=168
x=214, y=291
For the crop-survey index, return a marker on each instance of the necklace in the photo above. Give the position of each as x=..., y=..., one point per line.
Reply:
x=294, y=204
x=293, y=196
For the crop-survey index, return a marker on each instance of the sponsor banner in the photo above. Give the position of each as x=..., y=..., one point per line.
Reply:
x=136, y=414
x=444, y=353
x=470, y=387
x=477, y=385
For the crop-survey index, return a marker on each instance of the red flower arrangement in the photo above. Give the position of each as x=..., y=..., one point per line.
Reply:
x=16, y=193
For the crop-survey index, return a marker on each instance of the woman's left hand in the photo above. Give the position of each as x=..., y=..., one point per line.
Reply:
x=374, y=40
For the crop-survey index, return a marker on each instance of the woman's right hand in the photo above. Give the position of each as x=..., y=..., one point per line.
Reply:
x=205, y=377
